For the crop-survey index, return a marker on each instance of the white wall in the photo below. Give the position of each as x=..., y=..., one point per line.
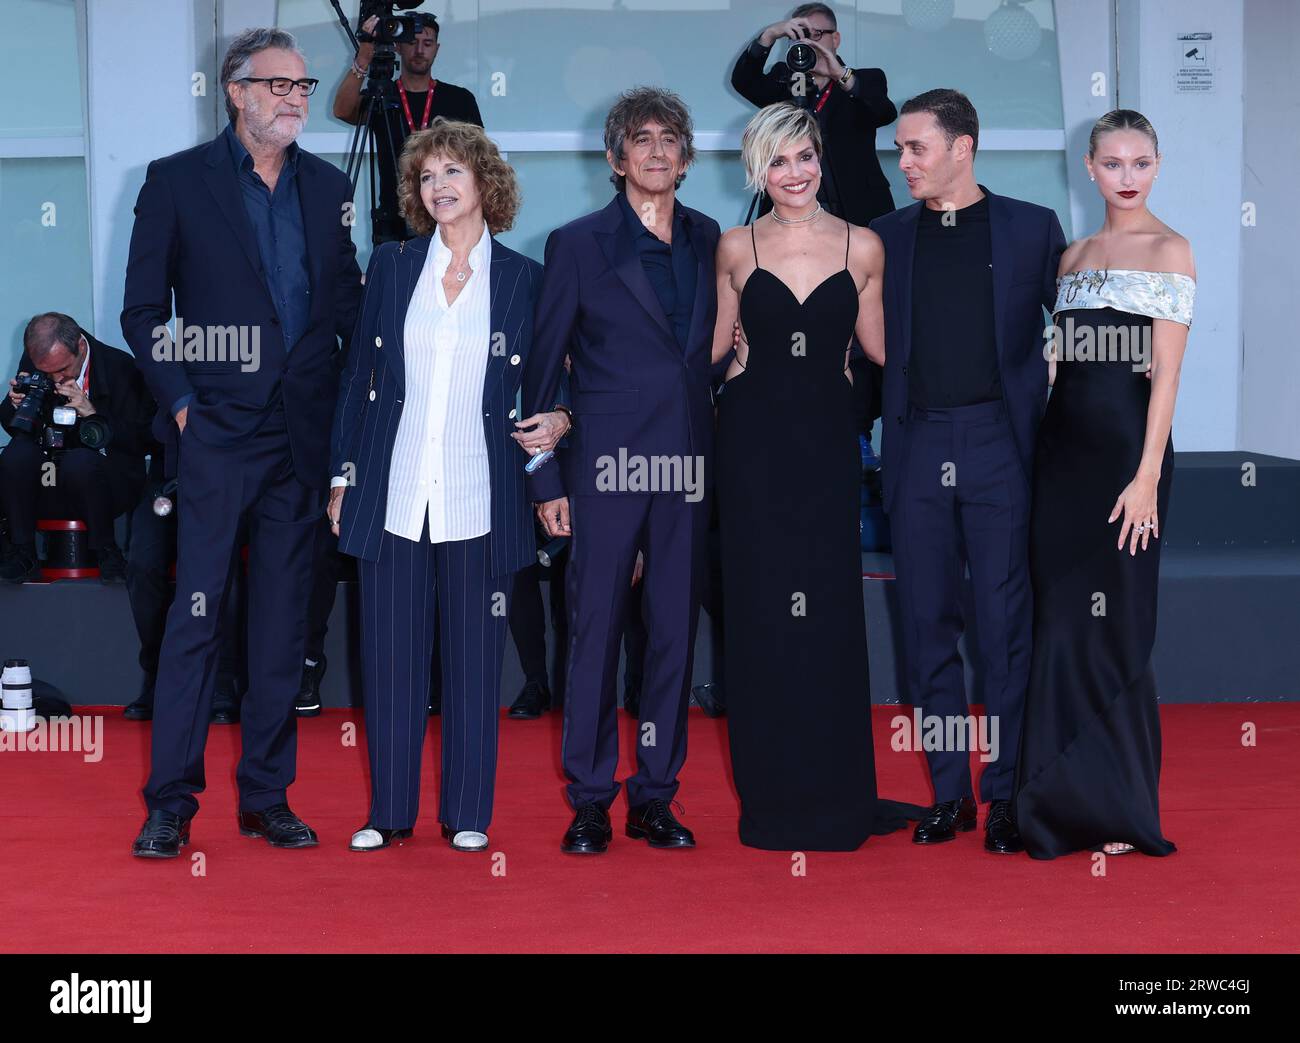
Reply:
x=1270, y=381
x=1199, y=192
x=141, y=60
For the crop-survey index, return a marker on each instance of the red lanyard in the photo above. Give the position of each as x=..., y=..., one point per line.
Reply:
x=826, y=93
x=428, y=106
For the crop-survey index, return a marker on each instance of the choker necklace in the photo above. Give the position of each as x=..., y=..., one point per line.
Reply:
x=795, y=220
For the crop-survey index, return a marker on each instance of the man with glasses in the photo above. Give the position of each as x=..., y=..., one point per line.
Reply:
x=849, y=104
x=249, y=235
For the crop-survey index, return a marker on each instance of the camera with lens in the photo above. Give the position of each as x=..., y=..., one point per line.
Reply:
x=45, y=415
x=801, y=57
x=391, y=28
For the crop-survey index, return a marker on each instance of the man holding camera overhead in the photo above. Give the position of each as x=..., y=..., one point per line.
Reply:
x=849, y=104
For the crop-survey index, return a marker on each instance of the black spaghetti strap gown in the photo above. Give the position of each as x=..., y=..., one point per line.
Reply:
x=798, y=692
x=1089, y=766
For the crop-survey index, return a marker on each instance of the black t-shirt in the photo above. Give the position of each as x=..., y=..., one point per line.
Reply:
x=449, y=101
x=954, y=359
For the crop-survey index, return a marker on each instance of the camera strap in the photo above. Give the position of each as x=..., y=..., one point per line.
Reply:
x=406, y=106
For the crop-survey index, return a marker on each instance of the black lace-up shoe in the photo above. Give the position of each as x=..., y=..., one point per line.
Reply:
x=654, y=821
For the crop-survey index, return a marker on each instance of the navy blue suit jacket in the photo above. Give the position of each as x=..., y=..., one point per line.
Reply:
x=370, y=398
x=193, y=243
x=1027, y=243
x=632, y=387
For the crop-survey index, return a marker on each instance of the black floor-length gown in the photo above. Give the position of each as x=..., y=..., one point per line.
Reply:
x=788, y=480
x=1089, y=766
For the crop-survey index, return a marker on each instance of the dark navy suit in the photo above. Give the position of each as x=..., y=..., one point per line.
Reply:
x=254, y=450
x=638, y=390
x=980, y=518
x=468, y=582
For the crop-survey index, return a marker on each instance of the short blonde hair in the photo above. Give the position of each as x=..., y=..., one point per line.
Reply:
x=466, y=142
x=771, y=130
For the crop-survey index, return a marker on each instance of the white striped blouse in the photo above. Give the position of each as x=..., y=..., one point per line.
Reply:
x=440, y=457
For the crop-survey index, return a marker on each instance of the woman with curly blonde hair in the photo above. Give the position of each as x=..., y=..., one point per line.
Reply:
x=429, y=485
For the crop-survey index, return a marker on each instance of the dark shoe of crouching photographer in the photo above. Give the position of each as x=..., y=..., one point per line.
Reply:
x=78, y=413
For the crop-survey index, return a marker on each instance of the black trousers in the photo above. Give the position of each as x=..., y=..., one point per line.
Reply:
x=223, y=490
x=84, y=486
x=150, y=590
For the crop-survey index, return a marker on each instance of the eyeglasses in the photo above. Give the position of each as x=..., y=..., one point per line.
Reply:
x=282, y=85
x=817, y=34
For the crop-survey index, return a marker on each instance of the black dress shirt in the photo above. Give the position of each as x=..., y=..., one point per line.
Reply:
x=671, y=268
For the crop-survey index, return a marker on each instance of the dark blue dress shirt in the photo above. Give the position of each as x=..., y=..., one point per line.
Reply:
x=276, y=218
x=671, y=269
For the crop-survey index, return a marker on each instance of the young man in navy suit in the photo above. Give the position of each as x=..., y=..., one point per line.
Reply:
x=967, y=276
x=248, y=235
x=628, y=294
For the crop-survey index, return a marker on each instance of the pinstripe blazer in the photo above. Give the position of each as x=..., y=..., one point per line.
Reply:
x=374, y=385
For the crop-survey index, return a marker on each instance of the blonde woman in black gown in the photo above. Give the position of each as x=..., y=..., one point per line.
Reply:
x=1089, y=766
x=801, y=282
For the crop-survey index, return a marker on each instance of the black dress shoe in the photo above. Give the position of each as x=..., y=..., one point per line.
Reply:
x=142, y=708
x=1000, y=833
x=361, y=842
x=225, y=704
x=534, y=699
x=589, y=833
x=944, y=821
x=112, y=566
x=632, y=699
x=654, y=821
x=163, y=835
x=20, y=564
x=280, y=826
x=307, y=702
x=708, y=697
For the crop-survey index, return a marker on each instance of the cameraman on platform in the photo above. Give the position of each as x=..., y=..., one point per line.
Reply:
x=419, y=98
x=71, y=377
x=849, y=105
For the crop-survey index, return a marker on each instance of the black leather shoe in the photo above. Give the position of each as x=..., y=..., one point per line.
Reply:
x=20, y=564
x=708, y=697
x=944, y=821
x=534, y=700
x=163, y=835
x=632, y=699
x=654, y=821
x=112, y=566
x=225, y=704
x=307, y=702
x=142, y=708
x=280, y=826
x=589, y=833
x=1000, y=833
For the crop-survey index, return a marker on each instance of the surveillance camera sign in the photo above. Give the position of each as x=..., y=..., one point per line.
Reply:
x=1194, y=69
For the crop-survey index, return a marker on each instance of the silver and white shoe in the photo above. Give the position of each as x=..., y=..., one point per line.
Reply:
x=371, y=838
x=465, y=839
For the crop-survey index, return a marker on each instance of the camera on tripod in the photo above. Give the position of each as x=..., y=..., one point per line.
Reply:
x=391, y=28
x=55, y=425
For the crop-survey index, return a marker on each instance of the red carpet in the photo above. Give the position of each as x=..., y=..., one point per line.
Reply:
x=73, y=886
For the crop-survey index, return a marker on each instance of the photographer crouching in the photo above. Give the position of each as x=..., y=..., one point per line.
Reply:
x=79, y=416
